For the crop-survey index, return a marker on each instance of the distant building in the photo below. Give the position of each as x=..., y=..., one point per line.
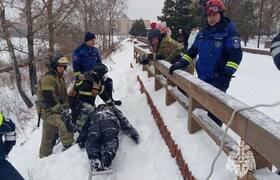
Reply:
x=124, y=24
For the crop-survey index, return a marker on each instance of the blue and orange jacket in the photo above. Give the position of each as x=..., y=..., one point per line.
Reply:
x=84, y=58
x=219, y=51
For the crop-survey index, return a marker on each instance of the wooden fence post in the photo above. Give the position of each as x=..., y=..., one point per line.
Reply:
x=157, y=81
x=193, y=126
x=168, y=97
x=149, y=71
x=137, y=57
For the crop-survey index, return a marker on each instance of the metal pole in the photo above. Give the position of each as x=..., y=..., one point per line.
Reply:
x=260, y=23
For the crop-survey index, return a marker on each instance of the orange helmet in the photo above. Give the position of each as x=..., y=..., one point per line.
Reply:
x=214, y=6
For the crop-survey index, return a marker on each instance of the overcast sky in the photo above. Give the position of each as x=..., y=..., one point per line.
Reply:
x=147, y=9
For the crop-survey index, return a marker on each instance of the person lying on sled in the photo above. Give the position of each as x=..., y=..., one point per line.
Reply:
x=99, y=133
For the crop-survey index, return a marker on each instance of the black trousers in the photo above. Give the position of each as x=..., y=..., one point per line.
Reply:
x=223, y=86
x=7, y=171
x=102, y=138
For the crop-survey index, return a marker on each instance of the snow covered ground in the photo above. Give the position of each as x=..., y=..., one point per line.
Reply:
x=256, y=82
x=253, y=43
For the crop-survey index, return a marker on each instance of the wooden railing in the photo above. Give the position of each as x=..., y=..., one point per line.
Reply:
x=249, y=50
x=259, y=131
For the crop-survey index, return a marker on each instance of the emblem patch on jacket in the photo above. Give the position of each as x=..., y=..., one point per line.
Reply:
x=218, y=44
x=236, y=42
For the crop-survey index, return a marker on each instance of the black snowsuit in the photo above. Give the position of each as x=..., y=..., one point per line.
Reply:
x=100, y=132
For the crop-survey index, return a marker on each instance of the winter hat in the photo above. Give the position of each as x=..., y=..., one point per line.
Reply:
x=89, y=36
x=164, y=29
x=154, y=33
x=153, y=25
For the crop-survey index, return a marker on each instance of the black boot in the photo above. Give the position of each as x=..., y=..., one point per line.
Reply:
x=96, y=164
x=107, y=160
x=65, y=147
x=55, y=140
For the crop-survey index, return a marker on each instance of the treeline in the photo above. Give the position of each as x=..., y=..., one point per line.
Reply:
x=252, y=17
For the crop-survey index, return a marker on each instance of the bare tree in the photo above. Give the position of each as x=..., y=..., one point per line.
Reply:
x=56, y=16
x=31, y=11
x=6, y=36
x=116, y=9
x=100, y=16
x=30, y=19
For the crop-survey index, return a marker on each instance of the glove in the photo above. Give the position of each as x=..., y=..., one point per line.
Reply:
x=175, y=66
x=150, y=56
x=89, y=76
x=8, y=145
x=134, y=136
x=110, y=104
x=117, y=102
x=223, y=82
x=229, y=71
x=67, y=119
x=145, y=60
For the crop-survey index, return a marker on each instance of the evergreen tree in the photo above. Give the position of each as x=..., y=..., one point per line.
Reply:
x=138, y=28
x=178, y=14
x=246, y=23
x=198, y=13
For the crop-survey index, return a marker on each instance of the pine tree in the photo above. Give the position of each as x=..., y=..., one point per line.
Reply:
x=178, y=14
x=247, y=20
x=138, y=28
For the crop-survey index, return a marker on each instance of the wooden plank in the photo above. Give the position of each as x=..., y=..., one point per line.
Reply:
x=185, y=105
x=150, y=73
x=213, y=130
x=263, y=142
x=193, y=126
x=157, y=81
x=168, y=96
x=249, y=50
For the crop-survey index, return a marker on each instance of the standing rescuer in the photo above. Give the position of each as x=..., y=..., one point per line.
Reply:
x=218, y=47
x=54, y=107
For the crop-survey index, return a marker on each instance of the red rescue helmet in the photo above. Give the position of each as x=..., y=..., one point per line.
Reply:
x=214, y=6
